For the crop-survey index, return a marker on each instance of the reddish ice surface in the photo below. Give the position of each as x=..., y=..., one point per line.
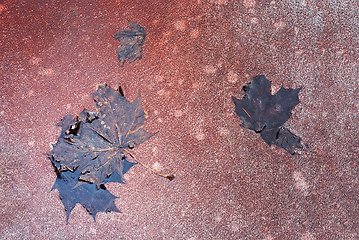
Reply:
x=197, y=54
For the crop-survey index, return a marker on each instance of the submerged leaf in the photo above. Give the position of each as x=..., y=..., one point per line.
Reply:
x=265, y=113
x=131, y=42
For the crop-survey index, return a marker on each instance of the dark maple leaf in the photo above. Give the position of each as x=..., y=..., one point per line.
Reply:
x=131, y=42
x=94, y=142
x=265, y=113
x=91, y=150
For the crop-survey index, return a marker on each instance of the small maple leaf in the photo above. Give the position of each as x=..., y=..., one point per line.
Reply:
x=92, y=148
x=265, y=113
x=131, y=42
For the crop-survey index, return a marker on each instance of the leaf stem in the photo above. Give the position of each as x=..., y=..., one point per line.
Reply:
x=168, y=176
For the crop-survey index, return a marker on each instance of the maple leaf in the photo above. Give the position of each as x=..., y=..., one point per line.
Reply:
x=131, y=42
x=265, y=113
x=94, y=143
x=92, y=148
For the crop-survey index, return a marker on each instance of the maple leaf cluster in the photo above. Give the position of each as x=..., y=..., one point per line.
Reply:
x=92, y=147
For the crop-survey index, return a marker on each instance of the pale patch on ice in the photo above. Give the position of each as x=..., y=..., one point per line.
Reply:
x=223, y=131
x=280, y=25
x=234, y=226
x=307, y=236
x=180, y=25
x=178, y=113
x=35, y=60
x=197, y=130
x=197, y=86
x=232, y=77
x=93, y=230
x=194, y=33
x=340, y=52
x=299, y=52
x=159, y=78
x=254, y=20
x=221, y=2
x=155, y=150
x=300, y=182
x=200, y=136
x=218, y=218
x=2, y=8
x=303, y=3
x=165, y=94
x=209, y=69
x=161, y=92
x=268, y=237
x=249, y=3
x=46, y=72
x=157, y=166
x=30, y=93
